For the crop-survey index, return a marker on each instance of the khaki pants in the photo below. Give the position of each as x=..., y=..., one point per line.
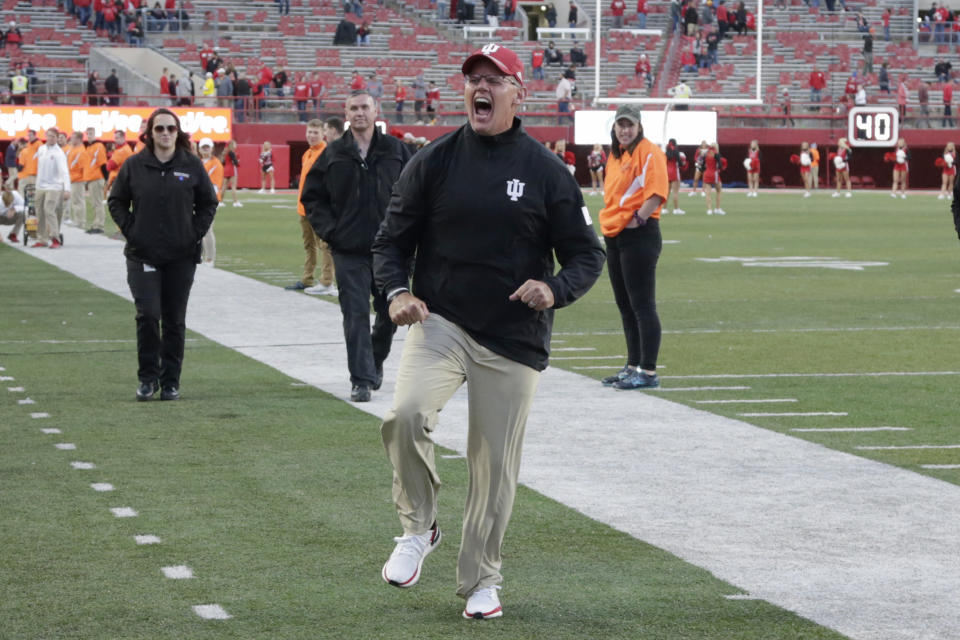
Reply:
x=11, y=178
x=48, y=215
x=14, y=218
x=95, y=196
x=208, y=245
x=78, y=210
x=24, y=181
x=312, y=244
x=438, y=357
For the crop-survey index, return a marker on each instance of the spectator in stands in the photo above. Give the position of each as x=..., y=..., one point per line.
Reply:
x=207, y=24
x=224, y=85
x=443, y=10
x=676, y=15
x=578, y=56
x=741, y=16
x=93, y=92
x=186, y=90
x=536, y=62
x=868, y=51
x=883, y=78
x=283, y=7
x=243, y=89
x=214, y=61
x=572, y=17
x=551, y=14
x=156, y=18
x=817, y=83
x=164, y=83
x=643, y=70
x=861, y=21
x=942, y=69
x=723, y=19
x=902, y=93
x=135, y=32
x=491, y=13
x=923, y=97
x=375, y=86
x=83, y=11
x=690, y=18
x=706, y=14
x=19, y=87
x=301, y=94
x=688, y=61
x=363, y=33
x=356, y=82
x=552, y=56
x=713, y=45
x=172, y=89
x=785, y=107
x=13, y=36
x=948, y=104
x=617, y=7
x=860, y=98
x=681, y=92
x=399, y=97
x=850, y=88
x=318, y=90
x=509, y=10
x=940, y=16
x=886, y=24
x=433, y=101
x=564, y=94
x=107, y=18
x=468, y=8
x=280, y=82
x=111, y=87
x=641, y=14
x=209, y=91
x=419, y=86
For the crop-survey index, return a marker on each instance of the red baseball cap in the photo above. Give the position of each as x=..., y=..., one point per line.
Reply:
x=505, y=59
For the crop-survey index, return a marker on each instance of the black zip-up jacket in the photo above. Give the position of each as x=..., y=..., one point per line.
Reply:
x=484, y=214
x=173, y=204
x=345, y=196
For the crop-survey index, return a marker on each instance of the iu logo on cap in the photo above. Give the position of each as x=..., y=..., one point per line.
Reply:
x=515, y=189
x=490, y=48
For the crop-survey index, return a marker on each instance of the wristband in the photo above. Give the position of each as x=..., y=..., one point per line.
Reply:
x=393, y=294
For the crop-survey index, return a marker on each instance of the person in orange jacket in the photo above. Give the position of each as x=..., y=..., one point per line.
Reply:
x=75, y=153
x=121, y=153
x=214, y=169
x=634, y=190
x=27, y=160
x=94, y=161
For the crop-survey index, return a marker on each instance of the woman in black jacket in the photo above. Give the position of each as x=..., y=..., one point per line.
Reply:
x=163, y=202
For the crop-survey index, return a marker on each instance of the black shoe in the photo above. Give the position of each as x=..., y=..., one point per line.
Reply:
x=296, y=286
x=376, y=385
x=360, y=393
x=170, y=393
x=146, y=390
x=93, y=232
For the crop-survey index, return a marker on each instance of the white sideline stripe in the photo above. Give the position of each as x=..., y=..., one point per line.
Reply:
x=865, y=374
x=834, y=537
x=3, y=368
x=51, y=431
x=731, y=388
x=16, y=389
x=102, y=486
x=147, y=539
x=772, y=331
x=123, y=512
x=179, y=572
x=588, y=357
x=747, y=401
x=851, y=429
x=65, y=446
x=741, y=596
x=573, y=349
x=907, y=447
x=791, y=414
x=211, y=612
x=7, y=378
x=26, y=401
x=83, y=465
x=455, y=456
x=940, y=466
x=39, y=414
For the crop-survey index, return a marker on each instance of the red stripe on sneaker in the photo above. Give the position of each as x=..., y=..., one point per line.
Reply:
x=412, y=578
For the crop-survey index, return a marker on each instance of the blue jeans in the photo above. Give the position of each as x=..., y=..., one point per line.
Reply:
x=563, y=107
x=538, y=73
x=641, y=21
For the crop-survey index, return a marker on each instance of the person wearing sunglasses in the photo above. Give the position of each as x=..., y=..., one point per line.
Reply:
x=485, y=209
x=163, y=202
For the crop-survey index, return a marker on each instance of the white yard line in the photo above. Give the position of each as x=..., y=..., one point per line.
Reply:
x=835, y=537
x=792, y=414
x=748, y=401
x=850, y=429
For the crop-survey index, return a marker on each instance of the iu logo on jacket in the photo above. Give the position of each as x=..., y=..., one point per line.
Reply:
x=515, y=189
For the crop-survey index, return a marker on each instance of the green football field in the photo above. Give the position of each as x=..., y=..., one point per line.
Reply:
x=843, y=313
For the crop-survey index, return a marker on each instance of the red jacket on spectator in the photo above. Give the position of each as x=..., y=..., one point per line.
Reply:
x=817, y=80
x=164, y=85
x=851, y=86
x=81, y=3
x=316, y=87
x=948, y=93
x=266, y=76
x=537, y=58
x=357, y=83
x=617, y=7
x=301, y=90
x=643, y=66
x=641, y=6
x=722, y=13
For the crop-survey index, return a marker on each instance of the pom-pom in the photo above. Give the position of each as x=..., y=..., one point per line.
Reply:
x=889, y=156
x=948, y=158
x=795, y=159
x=901, y=156
x=940, y=163
x=838, y=162
x=747, y=164
x=805, y=160
x=723, y=164
x=111, y=165
x=831, y=156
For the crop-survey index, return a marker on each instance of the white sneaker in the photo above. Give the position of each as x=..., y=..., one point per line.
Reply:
x=849, y=195
x=319, y=290
x=402, y=568
x=692, y=193
x=703, y=194
x=893, y=195
x=483, y=603
x=592, y=193
x=903, y=195
x=678, y=212
x=220, y=204
x=806, y=194
x=941, y=197
x=836, y=194
x=273, y=191
x=720, y=212
x=261, y=192
x=238, y=204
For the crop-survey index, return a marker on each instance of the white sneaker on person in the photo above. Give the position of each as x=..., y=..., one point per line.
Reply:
x=703, y=194
x=806, y=194
x=836, y=194
x=941, y=197
x=483, y=603
x=893, y=195
x=849, y=195
x=903, y=195
x=318, y=290
x=261, y=192
x=273, y=191
x=678, y=212
x=238, y=204
x=720, y=212
x=709, y=212
x=402, y=568
x=220, y=204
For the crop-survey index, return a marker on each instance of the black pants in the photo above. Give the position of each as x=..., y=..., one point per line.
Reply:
x=632, y=263
x=366, y=350
x=160, y=295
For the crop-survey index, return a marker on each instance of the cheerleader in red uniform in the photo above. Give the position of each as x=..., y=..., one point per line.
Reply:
x=676, y=162
x=713, y=164
x=596, y=161
x=841, y=162
x=752, y=164
x=806, y=160
x=948, y=165
x=900, y=169
x=697, y=163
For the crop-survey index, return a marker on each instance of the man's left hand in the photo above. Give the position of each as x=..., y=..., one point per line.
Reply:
x=535, y=294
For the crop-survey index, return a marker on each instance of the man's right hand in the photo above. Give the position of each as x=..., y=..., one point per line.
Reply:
x=407, y=308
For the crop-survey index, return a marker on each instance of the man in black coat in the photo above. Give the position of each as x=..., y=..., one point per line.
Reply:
x=111, y=87
x=345, y=196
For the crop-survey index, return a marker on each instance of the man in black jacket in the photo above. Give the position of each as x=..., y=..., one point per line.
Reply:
x=173, y=204
x=345, y=196
x=485, y=209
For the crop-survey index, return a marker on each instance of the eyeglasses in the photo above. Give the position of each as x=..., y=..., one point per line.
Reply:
x=170, y=128
x=474, y=79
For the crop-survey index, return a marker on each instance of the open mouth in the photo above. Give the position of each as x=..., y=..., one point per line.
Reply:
x=482, y=106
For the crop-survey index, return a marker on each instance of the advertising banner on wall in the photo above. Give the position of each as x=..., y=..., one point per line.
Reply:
x=199, y=122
